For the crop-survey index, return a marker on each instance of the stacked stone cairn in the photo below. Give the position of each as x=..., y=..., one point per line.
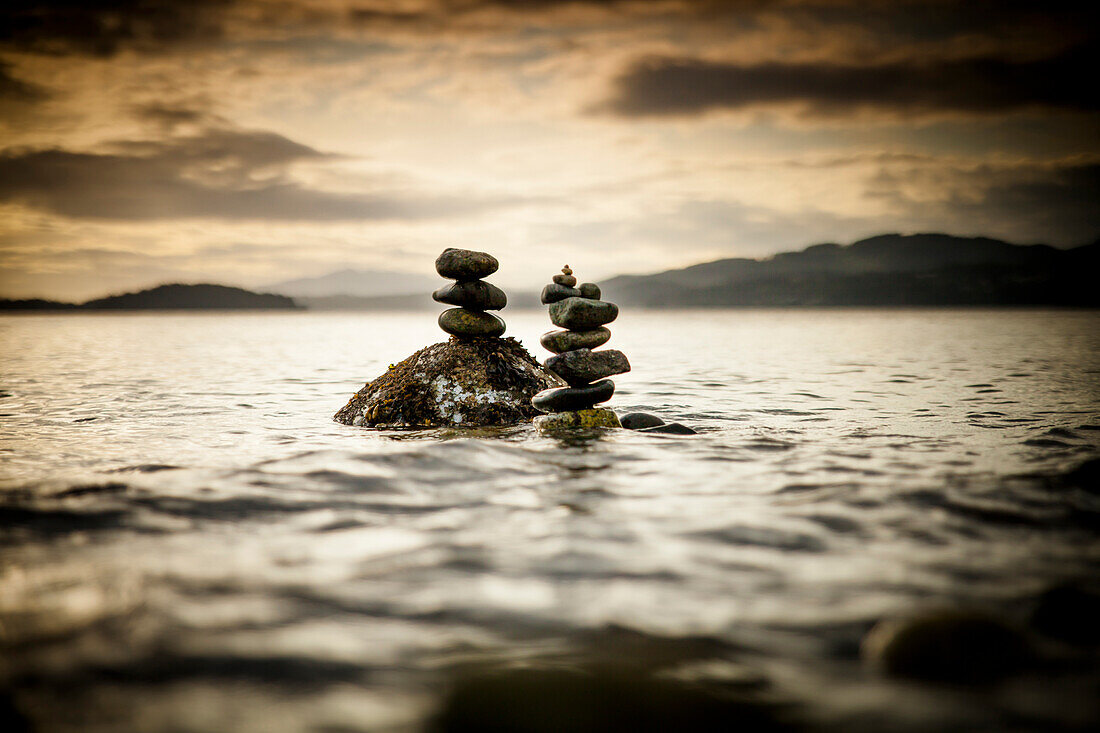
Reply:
x=582, y=316
x=470, y=293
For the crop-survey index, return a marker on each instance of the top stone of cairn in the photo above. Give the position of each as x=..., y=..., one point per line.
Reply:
x=465, y=264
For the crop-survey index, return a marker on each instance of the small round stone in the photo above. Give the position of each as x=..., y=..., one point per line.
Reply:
x=597, y=417
x=465, y=264
x=566, y=280
x=553, y=292
x=562, y=399
x=561, y=341
x=567, y=270
x=582, y=366
x=670, y=428
x=475, y=295
x=582, y=314
x=640, y=420
x=590, y=291
x=462, y=322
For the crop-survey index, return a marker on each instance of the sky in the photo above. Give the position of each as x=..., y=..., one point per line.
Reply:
x=248, y=142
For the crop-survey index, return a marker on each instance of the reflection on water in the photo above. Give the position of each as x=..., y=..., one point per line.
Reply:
x=187, y=541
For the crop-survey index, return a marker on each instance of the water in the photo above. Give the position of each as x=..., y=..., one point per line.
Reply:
x=188, y=542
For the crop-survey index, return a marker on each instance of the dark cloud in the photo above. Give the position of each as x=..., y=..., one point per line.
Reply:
x=221, y=174
x=16, y=90
x=685, y=86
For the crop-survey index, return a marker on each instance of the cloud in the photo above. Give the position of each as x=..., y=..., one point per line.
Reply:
x=17, y=90
x=667, y=86
x=219, y=174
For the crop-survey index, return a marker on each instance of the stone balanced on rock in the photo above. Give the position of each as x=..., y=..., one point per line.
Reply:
x=470, y=293
x=581, y=314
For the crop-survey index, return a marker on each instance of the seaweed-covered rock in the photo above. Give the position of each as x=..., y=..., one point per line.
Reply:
x=460, y=382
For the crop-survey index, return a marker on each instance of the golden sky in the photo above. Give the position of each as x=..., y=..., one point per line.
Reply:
x=252, y=141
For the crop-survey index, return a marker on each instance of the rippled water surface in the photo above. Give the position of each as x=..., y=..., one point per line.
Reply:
x=188, y=542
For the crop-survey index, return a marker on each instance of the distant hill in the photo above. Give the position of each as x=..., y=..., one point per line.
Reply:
x=891, y=269
x=167, y=297
x=357, y=283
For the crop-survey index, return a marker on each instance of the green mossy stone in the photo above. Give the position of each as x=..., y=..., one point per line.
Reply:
x=467, y=323
x=594, y=418
x=561, y=341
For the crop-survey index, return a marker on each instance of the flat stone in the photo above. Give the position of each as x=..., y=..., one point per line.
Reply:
x=582, y=366
x=553, y=292
x=465, y=264
x=589, y=290
x=562, y=341
x=566, y=280
x=597, y=417
x=671, y=428
x=475, y=295
x=640, y=420
x=563, y=399
x=582, y=314
x=462, y=322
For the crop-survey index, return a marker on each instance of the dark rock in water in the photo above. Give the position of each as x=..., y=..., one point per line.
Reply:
x=553, y=292
x=465, y=264
x=563, y=399
x=582, y=314
x=566, y=280
x=590, y=291
x=583, y=366
x=1070, y=614
x=595, y=417
x=640, y=420
x=473, y=294
x=461, y=322
x=598, y=700
x=561, y=341
x=671, y=428
x=460, y=382
x=953, y=647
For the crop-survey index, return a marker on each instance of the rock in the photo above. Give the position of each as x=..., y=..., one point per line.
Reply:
x=582, y=314
x=465, y=264
x=582, y=366
x=672, y=428
x=566, y=280
x=461, y=322
x=951, y=646
x=640, y=420
x=562, y=399
x=460, y=382
x=596, y=417
x=473, y=294
x=590, y=291
x=562, y=341
x=553, y=292
x=1069, y=613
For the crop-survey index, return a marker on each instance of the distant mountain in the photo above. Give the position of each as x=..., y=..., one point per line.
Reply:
x=167, y=297
x=891, y=269
x=358, y=283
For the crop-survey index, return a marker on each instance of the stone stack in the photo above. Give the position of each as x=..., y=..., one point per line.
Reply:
x=470, y=293
x=581, y=314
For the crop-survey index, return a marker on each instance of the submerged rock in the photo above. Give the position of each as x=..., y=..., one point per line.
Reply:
x=597, y=417
x=640, y=421
x=460, y=382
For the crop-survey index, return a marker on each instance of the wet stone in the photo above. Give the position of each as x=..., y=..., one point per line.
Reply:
x=640, y=420
x=563, y=399
x=589, y=290
x=582, y=314
x=566, y=280
x=583, y=366
x=462, y=322
x=553, y=292
x=596, y=417
x=562, y=341
x=672, y=428
x=465, y=264
x=473, y=294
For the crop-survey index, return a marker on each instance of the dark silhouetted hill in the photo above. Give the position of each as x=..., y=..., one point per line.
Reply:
x=891, y=269
x=167, y=297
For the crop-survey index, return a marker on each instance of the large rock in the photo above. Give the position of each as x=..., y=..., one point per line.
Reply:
x=582, y=314
x=583, y=366
x=465, y=264
x=461, y=382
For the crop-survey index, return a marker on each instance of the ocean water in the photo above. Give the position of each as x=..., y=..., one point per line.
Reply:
x=189, y=543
